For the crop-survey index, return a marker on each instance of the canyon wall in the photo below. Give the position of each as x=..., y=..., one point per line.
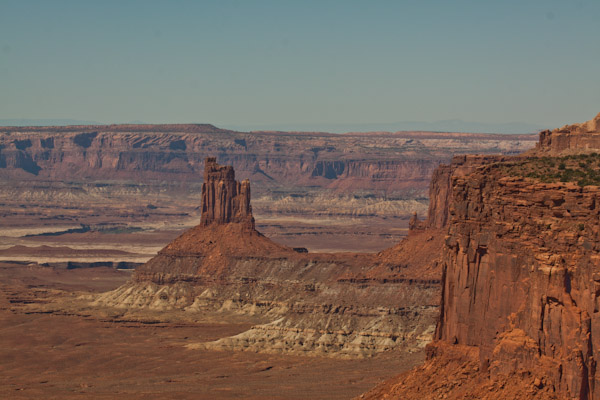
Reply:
x=328, y=192
x=521, y=275
x=393, y=163
x=441, y=186
x=521, y=261
x=439, y=197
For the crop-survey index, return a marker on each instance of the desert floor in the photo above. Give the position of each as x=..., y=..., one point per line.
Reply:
x=49, y=351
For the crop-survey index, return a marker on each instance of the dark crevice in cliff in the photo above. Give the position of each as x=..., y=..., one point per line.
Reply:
x=585, y=386
x=178, y=145
x=23, y=144
x=85, y=139
x=440, y=322
x=568, y=283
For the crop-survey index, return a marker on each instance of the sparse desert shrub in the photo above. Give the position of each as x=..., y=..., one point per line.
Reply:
x=583, y=169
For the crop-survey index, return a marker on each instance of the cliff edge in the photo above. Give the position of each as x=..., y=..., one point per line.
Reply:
x=519, y=314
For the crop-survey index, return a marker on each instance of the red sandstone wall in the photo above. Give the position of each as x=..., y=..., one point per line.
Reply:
x=522, y=277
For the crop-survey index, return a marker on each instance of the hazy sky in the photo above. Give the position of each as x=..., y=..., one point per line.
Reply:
x=252, y=63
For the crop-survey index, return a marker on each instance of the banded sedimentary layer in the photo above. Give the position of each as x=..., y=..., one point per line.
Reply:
x=344, y=305
x=396, y=162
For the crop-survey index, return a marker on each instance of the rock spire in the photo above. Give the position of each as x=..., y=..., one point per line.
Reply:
x=224, y=200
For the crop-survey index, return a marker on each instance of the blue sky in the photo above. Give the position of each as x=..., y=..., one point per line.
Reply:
x=318, y=63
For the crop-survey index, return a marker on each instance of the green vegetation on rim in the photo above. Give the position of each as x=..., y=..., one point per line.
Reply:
x=584, y=169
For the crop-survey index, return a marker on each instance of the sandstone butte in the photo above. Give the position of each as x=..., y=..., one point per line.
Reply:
x=519, y=315
x=341, y=305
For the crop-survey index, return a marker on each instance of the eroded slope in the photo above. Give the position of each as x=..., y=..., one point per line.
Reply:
x=343, y=305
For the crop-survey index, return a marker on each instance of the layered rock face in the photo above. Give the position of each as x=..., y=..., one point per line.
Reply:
x=571, y=138
x=521, y=277
x=521, y=261
x=148, y=153
x=341, y=305
x=441, y=186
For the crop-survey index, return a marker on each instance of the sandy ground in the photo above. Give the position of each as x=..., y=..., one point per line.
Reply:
x=138, y=242
x=49, y=352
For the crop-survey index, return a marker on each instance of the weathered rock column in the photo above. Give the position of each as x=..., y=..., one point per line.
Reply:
x=224, y=200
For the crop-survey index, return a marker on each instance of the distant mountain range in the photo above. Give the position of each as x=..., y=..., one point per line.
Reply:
x=453, y=125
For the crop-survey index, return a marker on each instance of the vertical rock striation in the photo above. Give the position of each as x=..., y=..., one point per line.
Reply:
x=225, y=200
x=520, y=308
x=439, y=196
x=440, y=188
x=521, y=262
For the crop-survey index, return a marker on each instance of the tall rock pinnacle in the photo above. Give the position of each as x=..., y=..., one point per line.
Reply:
x=224, y=200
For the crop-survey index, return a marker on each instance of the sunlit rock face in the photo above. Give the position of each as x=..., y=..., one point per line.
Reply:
x=521, y=275
x=224, y=200
x=571, y=138
x=521, y=264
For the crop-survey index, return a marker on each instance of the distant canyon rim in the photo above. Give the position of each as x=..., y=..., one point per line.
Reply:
x=132, y=188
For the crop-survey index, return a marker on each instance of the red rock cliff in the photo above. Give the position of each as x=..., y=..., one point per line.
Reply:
x=439, y=196
x=571, y=138
x=224, y=200
x=520, y=291
x=440, y=188
x=520, y=308
x=521, y=278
